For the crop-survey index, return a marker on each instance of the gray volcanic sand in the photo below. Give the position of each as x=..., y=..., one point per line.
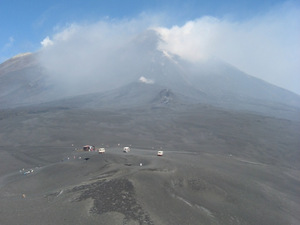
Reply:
x=177, y=188
x=218, y=168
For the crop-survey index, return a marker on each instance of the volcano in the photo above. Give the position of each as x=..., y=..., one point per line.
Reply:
x=27, y=80
x=230, y=141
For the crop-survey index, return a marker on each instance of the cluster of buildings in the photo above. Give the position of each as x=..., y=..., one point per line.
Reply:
x=91, y=148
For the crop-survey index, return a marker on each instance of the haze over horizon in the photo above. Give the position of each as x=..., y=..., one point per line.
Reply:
x=261, y=40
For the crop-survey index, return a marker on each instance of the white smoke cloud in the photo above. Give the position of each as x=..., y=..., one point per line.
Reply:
x=46, y=42
x=267, y=47
x=143, y=79
x=105, y=54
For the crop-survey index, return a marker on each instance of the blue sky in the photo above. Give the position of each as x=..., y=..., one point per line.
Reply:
x=246, y=26
x=25, y=23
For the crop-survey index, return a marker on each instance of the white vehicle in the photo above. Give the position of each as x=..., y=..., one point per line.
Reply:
x=126, y=149
x=28, y=172
x=160, y=153
x=101, y=150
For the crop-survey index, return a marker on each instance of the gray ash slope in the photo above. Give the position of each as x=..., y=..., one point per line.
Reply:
x=231, y=145
x=133, y=95
x=25, y=81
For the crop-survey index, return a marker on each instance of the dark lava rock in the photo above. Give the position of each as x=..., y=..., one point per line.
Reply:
x=115, y=195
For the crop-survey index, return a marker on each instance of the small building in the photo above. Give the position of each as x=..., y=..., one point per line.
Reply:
x=160, y=153
x=101, y=150
x=89, y=148
x=126, y=149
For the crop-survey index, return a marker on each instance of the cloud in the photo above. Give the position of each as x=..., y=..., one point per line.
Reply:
x=101, y=55
x=145, y=80
x=46, y=42
x=267, y=46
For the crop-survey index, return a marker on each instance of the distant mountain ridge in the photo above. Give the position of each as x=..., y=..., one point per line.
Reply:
x=25, y=81
x=18, y=62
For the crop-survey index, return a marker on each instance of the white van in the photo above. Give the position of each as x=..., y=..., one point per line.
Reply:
x=101, y=150
x=126, y=149
x=160, y=153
